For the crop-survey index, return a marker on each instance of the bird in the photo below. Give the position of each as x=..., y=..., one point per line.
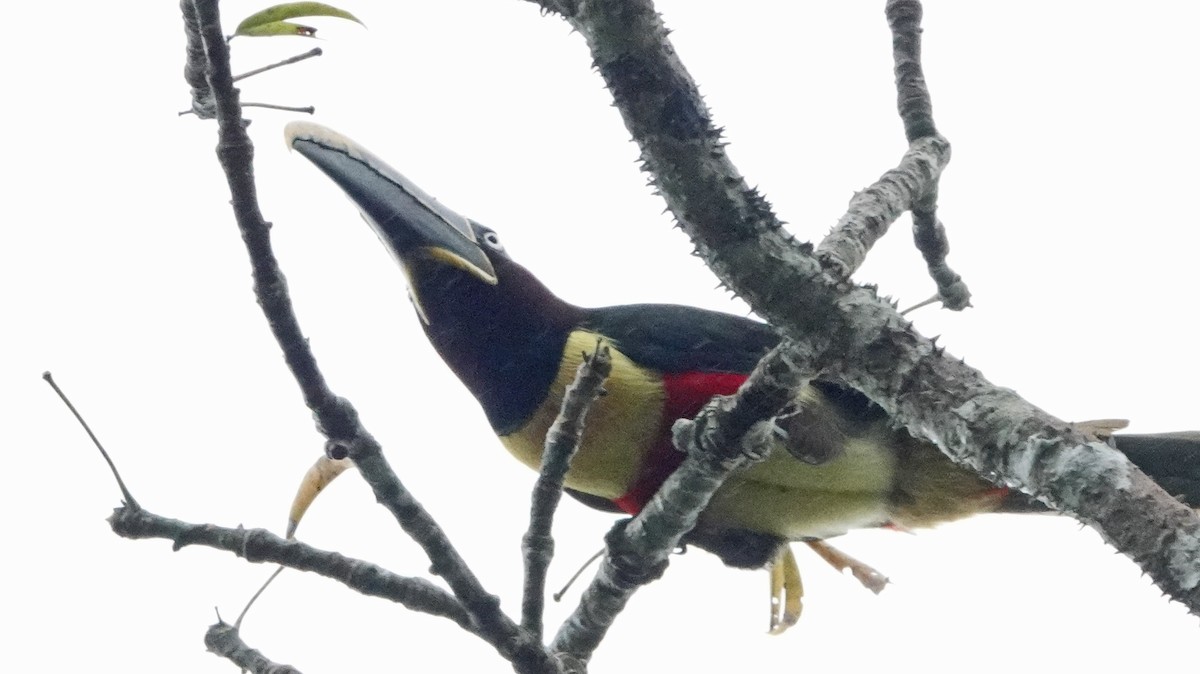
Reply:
x=516, y=345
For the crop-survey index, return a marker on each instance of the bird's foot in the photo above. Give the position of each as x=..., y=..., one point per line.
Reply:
x=870, y=578
x=787, y=592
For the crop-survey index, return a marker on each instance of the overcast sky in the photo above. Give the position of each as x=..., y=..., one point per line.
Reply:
x=1071, y=211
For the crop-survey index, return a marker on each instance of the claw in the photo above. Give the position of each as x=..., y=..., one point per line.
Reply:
x=787, y=592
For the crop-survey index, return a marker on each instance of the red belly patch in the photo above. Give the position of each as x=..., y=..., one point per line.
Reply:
x=685, y=393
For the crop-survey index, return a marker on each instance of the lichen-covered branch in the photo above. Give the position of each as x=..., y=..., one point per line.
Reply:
x=873, y=210
x=913, y=185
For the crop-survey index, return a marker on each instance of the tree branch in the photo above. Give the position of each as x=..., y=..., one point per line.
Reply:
x=911, y=186
x=562, y=440
x=725, y=437
x=873, y=210
x=260, y=545
x=912, y=95
x=916, y=111
x=336, y=417
x=195, y=66
x=224, y=640
x=935, y=397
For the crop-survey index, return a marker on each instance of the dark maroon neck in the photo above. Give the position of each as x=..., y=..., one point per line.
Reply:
x=505, y=342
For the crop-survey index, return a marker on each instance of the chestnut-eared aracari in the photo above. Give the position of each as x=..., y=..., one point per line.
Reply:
x=515, y=345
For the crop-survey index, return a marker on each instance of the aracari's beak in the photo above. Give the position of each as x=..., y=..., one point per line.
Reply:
x=412, y=224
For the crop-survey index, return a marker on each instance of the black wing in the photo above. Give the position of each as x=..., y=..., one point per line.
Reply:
x=675, y=338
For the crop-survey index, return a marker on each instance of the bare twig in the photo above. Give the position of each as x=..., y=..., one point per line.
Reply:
x=306, y=109
x=260, y=545
x=561, y=443
x=237, y=624
x=202, y=103
x=916, y=111
x=923, y=303
x=578, y=572
x=315, y=51
x=130, y=501
x=224, y=640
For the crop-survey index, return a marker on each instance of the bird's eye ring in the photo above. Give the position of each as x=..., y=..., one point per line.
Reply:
x=493, y=241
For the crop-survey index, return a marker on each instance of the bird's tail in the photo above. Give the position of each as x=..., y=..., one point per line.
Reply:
x=1170, y=459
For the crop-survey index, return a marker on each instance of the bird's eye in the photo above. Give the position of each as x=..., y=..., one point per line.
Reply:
x=493, y=241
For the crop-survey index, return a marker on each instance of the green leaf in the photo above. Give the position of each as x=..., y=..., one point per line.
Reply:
x=274, y=20
x=277, y=28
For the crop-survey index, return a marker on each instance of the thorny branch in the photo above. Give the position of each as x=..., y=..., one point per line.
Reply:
x=860, y=336
x=838, y=329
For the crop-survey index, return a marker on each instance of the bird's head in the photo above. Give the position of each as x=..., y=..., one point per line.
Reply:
x=490, y=319
x=437, y=248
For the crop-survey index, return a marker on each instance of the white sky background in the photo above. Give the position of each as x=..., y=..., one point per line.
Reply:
x=1071, y=210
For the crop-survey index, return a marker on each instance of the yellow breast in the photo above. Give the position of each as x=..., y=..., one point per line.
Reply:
x=619, y=430
x=797, y=500
x=782, y=496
